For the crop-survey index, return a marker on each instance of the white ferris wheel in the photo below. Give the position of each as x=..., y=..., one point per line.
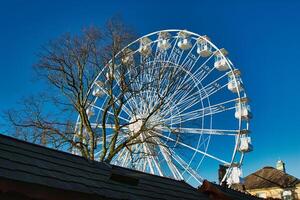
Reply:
x=204, y=121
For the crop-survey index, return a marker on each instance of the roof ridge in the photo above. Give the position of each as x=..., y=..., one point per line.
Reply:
x=39, y=145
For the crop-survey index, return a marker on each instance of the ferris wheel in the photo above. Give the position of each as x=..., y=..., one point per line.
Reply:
x=203, y=121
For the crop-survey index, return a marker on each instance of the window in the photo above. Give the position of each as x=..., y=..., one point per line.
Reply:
x=287, y=195
x=261, y=195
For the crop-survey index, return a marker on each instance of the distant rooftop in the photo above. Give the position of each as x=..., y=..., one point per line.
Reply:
x=270, y=177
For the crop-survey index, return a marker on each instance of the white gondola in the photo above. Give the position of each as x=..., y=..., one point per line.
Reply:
x=234, y=81
x=163, y=41
x=145, y=46
x=90, y=111
x=242, y=109
x=110, y=73
x=97, y=92
x=184, y=40
x=98, y=89
x=204, y=49
x=127, y=57
x=235, y=176
x=99, y=84
x=245, y=144
x=220, y=60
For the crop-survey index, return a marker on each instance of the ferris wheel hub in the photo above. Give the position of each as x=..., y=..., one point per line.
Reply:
x=135, y=124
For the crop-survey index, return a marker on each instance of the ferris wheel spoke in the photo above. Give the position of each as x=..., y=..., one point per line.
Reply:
x=174, y=104
x=194, y=116
x=185, y=104
x=172, y=52
x=207, y=90
x=212, y=90
x=190, y=59
x=130, y=101
x=98, y=125
x=176, y=174
x=186, y=167
x=125, y=158
x=194, y=149
x=157, y=165
x=203, y=70
x=166, y=155
x=210, y=110
x=116, y=159
x=181, y=106
x=149, y=157
x=154, y=159
x=182, y=96
x=100, y=142
x=189, y=66
x=221, y=132
x=217, y=79
x=180, y=93
x=109, y=112
x=121, y=154
x=187, y=97
x=175, y=55
x=180, y=118
x=133, y=104
x=210, y=131
x=108, y=137
x=124, y=107
x=147, y=151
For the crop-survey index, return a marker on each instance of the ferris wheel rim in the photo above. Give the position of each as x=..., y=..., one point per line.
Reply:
x=218, y=50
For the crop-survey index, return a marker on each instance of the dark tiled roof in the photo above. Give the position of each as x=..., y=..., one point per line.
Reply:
x=270, y=177
x=33, y=164
x=224, y=193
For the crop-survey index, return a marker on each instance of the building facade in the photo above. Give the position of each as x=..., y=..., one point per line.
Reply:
x=270, y=182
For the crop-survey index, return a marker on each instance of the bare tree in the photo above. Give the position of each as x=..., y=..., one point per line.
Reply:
x=75, y=65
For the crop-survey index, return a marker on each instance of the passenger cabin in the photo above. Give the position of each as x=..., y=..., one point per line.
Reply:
x=235, y=175
x=145, y=46
x=234, y=81
x=127, y=57
x=97, y=92
x=221, y=62
x=98, y=89
x=245, y=144
x=90, y=111
x=184, y=40
x=110, y=71
x=204, y=49
x=163, y=41
x=242, y=109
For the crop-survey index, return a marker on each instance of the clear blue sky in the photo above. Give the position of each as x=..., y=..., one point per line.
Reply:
x=263, y=39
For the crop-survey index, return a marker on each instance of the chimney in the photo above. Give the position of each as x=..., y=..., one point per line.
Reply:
x=280, y=165
x=221, y=173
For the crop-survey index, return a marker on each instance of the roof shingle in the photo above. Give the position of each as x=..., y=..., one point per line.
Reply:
x=34, y=164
